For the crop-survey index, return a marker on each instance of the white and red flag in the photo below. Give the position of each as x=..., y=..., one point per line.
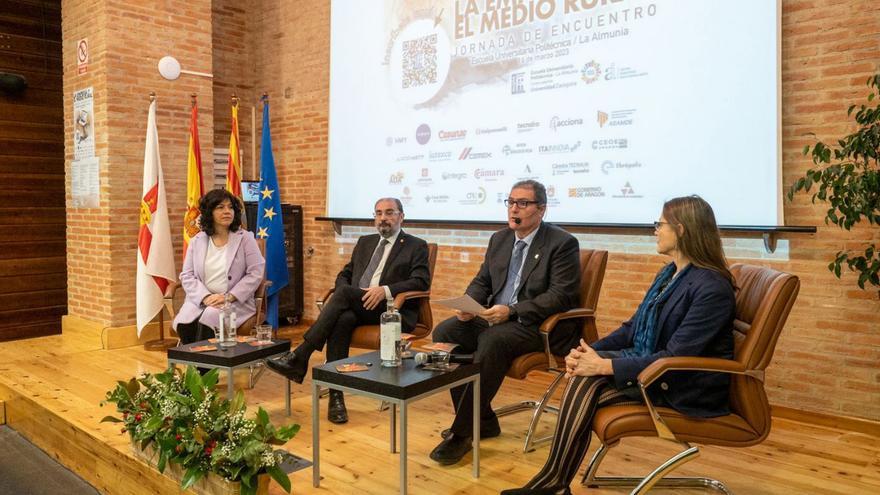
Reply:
x=155, y=258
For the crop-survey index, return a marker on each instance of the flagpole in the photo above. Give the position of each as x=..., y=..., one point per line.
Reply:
x=254, y=175
x=160, y=344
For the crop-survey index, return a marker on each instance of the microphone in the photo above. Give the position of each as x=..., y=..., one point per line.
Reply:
x=424, y=358
x=517, y=220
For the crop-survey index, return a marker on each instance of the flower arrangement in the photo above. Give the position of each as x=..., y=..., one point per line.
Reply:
x=182, y=417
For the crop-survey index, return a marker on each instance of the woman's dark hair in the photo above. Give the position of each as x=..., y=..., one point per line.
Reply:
x=700, y=239
x=212, y=200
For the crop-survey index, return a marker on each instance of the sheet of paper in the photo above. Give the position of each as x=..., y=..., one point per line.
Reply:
x=441, y=346
x=464, y=303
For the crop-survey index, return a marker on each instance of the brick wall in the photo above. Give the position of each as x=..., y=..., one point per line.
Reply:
x=127, y=39
x=234, y=29
x=827, y=358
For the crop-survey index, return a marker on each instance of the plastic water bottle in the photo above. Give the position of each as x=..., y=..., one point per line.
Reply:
x=227, y=324
x=389, y=336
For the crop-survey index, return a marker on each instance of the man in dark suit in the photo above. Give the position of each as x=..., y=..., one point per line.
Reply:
x=382, y=265
x=531, y=271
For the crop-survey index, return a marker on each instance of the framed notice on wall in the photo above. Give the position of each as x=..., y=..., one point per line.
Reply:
x=84, y=183
x=83, y=124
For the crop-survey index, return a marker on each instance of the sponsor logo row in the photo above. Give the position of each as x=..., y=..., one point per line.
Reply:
x=517, y=150
x=478, y=195
x=424, y=134
x=425, y=177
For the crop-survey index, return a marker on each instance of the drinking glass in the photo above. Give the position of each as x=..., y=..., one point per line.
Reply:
x=440, y=359
x=263, y=334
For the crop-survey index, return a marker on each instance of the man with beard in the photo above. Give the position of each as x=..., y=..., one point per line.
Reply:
x=531, y=271
x=382, y=265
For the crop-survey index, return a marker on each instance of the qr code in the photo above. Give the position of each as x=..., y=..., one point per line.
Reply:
x=420, y=61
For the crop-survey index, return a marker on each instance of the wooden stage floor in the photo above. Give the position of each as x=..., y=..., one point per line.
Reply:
x=52, y=388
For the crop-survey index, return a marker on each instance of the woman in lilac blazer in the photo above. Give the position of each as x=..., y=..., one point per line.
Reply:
x=222, y=261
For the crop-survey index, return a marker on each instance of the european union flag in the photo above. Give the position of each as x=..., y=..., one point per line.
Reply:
x=269, y=224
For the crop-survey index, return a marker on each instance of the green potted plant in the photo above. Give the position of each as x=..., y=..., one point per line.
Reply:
x=181, y=418
x=847, y=177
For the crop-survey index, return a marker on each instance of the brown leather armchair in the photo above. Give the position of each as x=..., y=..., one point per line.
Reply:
x=367, y=336
x=763, y=302
x=592, y=274
x=247, y=326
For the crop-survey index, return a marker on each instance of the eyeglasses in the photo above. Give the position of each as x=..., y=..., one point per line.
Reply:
x=522, y=203
x=659, y=224
x=385, y=213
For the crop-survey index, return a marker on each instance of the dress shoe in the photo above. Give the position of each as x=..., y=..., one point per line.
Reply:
x=451, y=449
x=336, y=411
x=550, y=490
x=486, y=431
x=290, y=366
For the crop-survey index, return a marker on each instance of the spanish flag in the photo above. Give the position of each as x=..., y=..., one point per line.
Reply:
x=233, y=171
x=195, y=189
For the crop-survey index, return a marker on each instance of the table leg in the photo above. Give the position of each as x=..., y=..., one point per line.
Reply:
x=316, y=419
x=393, y=427
x=230, y=387
x=403, y=479
x=287, y=396
x=476, y=438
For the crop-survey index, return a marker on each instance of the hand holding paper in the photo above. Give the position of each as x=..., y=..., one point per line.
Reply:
x=465, y=304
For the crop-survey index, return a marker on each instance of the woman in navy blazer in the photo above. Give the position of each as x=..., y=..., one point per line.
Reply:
x=688, y=311
x=222, y=262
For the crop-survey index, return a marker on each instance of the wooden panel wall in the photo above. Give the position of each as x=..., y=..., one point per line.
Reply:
x=33, y=273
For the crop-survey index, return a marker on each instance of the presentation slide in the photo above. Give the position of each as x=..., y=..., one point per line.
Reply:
x=614, y=105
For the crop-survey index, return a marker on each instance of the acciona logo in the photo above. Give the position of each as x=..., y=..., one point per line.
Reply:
x=556, y=123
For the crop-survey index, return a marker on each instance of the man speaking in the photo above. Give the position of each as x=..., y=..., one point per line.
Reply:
x=531, y=271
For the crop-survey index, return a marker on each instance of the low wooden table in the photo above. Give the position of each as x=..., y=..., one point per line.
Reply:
x=399, y=386
x=242, y=355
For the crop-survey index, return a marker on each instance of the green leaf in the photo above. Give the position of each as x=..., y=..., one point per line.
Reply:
x=199, y=435
x=280, y=477
x=111, y=419
x=163, y=458
x=191, y=477
x=209, y=380
x=131, y=387
x=248, y=490
x=193, y=382
x=287, y=432
x=237, y=403
x=262, y=417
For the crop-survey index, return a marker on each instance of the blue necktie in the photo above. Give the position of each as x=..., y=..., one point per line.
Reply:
x=509, y=293
x=367, y=276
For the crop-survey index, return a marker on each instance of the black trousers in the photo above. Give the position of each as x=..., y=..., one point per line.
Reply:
x=194, y=332
x=338, y=319
x=494, y=348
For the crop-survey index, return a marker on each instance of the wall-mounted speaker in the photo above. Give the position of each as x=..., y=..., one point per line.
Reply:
x=12, y=84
